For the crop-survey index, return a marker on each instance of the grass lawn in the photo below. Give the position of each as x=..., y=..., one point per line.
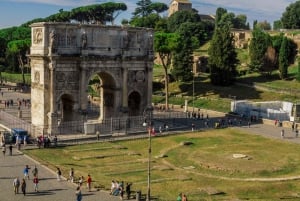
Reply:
x=202, y=169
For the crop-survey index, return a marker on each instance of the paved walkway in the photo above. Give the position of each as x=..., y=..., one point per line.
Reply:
x=49, y=188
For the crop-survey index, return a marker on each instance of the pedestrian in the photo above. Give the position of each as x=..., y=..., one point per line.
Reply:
x=3, y=149
x=78, y=194
x=58, y=174
x=35, y=184
x=121, y=190
x=26, y=172
x=179, y=197
x=282, y=133
x=193, y=126
x=184, y=198
x=128, y=190
x=35, y=171
x=55, y=141
x=16, y=184
x=113, y=187
x=23, y=187
x=249, y=124
x=80, y=181
x=10, y=148
x=296, y=132
x=25, y=140
x=89, y=182
x=71, y=175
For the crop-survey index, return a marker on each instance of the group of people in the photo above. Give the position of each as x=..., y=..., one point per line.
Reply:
x=118, y=189
x=17, y=183
x=45, y=141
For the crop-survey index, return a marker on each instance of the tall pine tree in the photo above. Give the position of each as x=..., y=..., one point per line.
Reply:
x=222, y=57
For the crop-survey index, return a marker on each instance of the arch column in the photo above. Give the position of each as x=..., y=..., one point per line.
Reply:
x=149, y=92
x=83, y=88
x=52, y=114
x=125, y=90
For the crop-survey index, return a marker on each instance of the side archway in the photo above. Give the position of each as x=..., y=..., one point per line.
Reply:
x=134, y=103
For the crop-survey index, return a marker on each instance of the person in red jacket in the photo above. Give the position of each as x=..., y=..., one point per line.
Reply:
x=89, y=182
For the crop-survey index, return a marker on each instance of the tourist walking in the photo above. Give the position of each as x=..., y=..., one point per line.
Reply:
x=58, y=174
x=89, y=182
x=10, y=148
x=282, y=133
x=184, y=198
x=26, y=172
x=78, y=194
x=179, y=197
x=35, y=184
x=16, y=184
x=71, y=175
x=128, y=190
x=3, y=149
x=23, y=187
x=35, y=171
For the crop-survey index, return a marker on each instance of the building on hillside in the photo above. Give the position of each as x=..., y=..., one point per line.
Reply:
x=242, y=37
x=178, y=5
x=209, y=18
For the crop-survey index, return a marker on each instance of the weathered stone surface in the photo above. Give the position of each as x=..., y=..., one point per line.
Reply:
x=65, y=56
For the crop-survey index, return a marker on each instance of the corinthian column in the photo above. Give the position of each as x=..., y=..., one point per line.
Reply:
x=83, y=88
x=125, y=90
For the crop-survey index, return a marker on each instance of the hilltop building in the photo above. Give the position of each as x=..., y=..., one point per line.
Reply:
x=178, y=5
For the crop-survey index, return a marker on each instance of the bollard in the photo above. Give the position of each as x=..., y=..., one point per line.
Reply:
x=138, y=196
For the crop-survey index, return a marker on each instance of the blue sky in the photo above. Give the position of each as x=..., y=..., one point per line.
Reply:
x=17, y=12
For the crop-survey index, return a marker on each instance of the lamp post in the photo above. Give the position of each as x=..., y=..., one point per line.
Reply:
x=149, y=117
x=193, y=90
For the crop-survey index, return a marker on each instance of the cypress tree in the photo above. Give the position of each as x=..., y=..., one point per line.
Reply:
x=283, y=59
x=222, y=59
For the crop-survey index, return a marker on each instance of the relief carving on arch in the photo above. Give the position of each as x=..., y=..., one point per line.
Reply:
x=140, y=76
x=37, y=77
x=37, y=36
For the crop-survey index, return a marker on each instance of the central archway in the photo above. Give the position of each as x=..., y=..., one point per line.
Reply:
x=102, y=102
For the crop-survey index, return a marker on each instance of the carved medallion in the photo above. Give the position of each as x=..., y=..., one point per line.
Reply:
x=140, y=76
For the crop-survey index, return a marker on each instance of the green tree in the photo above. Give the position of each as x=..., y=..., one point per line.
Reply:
x=175, y=20
x=164, y=45
x=113, y=10
x=257, y=49
x=225, y=18
x=264, y=25
x=147, y=13
x=19, y=48
x=62, y=16
x=158, y=7
x=222, y=59
x=219, y=13
x=298, y=74
x=143, y=8
x=277, y=25
x=291, y=17
x=284, y=59
x=183, y=54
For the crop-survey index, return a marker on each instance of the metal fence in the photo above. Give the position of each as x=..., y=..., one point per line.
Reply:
x=122, y=125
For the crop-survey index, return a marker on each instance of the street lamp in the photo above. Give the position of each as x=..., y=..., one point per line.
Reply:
x=193, y=89
x=148, y=115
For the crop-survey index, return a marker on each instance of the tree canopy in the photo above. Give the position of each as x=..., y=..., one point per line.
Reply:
x=291, y=17
x=222, y=59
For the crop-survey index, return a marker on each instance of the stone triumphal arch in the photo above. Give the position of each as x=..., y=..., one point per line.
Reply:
x=65, y=57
